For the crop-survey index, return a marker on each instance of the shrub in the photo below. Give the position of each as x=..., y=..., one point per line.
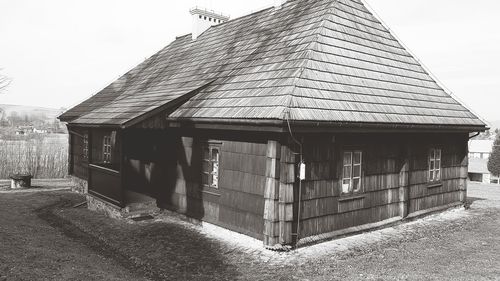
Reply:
x=494, y=161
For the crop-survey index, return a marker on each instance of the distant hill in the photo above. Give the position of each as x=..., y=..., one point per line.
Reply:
x=22, y=110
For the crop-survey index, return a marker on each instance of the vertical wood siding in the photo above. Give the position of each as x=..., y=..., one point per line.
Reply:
x=79, y=164
x=324, y=209
x=453, y=181
x=238, y=203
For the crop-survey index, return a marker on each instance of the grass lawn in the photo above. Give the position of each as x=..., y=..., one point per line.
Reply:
x=44, y=238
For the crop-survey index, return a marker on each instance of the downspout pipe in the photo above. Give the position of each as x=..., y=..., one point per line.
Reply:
x=299, y=211
x=477, y=134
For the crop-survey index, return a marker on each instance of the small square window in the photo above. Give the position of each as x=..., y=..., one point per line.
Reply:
x=211, y=165
x=352, y=172
x=85, y=148
x=106, y=149
x=435, y=165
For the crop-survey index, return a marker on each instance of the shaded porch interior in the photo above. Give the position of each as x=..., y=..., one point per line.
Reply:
x=143, y=169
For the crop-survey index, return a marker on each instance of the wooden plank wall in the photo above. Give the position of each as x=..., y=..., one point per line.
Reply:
x=451, y=189
x=96, y=137
x=325, y=210
x=238, y=204
x=272, y=194
x=80, y=164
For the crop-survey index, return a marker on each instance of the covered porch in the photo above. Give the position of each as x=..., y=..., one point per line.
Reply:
x=115, y=175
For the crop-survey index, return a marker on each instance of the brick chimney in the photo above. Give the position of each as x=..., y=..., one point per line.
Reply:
x=278, y=4
x=203, y=19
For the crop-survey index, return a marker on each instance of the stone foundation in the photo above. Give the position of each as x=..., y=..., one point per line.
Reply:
x=107, y=209
x=79, y=185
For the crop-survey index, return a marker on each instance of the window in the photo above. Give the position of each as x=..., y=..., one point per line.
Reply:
x=211, y=163
x=85, y=146
x=351, y=174
x=106, y=149
x=435, y=165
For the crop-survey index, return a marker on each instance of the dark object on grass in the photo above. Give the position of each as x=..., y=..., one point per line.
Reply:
x=80, y=204
x=467, y=204
x=19, y=181
x=143, y=218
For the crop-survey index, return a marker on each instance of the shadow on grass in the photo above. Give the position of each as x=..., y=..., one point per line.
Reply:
x=471, y=200
x=159, y=251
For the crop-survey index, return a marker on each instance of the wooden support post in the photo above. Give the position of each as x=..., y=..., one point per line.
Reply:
x=286, y=195
x=271, y=194
x=463, y=178
x=70, y=152
x=90, y=159
x=121, y=144
x=404, y=185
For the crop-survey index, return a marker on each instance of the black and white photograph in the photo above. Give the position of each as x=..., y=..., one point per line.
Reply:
x=257, y=140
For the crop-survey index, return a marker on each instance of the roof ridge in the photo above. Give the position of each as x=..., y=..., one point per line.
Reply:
x=307, y=56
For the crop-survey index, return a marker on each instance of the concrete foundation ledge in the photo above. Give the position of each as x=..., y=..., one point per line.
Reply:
x=97, y=205
x=374, y=226
x=308, y=241
x=423, y=213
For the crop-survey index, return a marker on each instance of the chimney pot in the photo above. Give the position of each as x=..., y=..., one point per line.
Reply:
x=278, y=4
x=203, y=19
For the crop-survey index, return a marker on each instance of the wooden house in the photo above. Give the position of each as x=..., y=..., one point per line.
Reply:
x=298, y=122
x=479, y=153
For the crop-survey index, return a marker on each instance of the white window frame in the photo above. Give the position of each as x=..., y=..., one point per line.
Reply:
x=106, y=149
x=348, y=181
x=435, y=157
x=212, y=170
x=85, y=149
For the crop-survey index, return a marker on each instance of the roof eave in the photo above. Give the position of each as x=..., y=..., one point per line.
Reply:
x=279, y=125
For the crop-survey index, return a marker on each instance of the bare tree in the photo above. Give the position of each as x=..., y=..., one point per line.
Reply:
x=4, y=82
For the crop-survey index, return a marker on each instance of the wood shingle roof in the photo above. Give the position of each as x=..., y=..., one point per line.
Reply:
x=312, y=60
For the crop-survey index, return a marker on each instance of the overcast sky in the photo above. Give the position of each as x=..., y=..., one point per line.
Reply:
x=59, y=52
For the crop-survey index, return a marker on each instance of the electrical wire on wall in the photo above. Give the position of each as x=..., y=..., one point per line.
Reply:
x=301, y=168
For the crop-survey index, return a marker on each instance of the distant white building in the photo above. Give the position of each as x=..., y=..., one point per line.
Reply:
x=39, y=131
x=479, y=153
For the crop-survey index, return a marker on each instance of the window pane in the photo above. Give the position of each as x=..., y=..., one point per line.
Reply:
x=438, y=153
x=356, y=185
x=346, y=185
x=215, y=154
x=431, y=175
x=432, y=165
x=356, y=171
x=215, y=168
x=438, y=175
x=438, y=164
x=433, y=155
x=347, y=158
x=347, y=172
x=215, y=176
x=357, y=157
